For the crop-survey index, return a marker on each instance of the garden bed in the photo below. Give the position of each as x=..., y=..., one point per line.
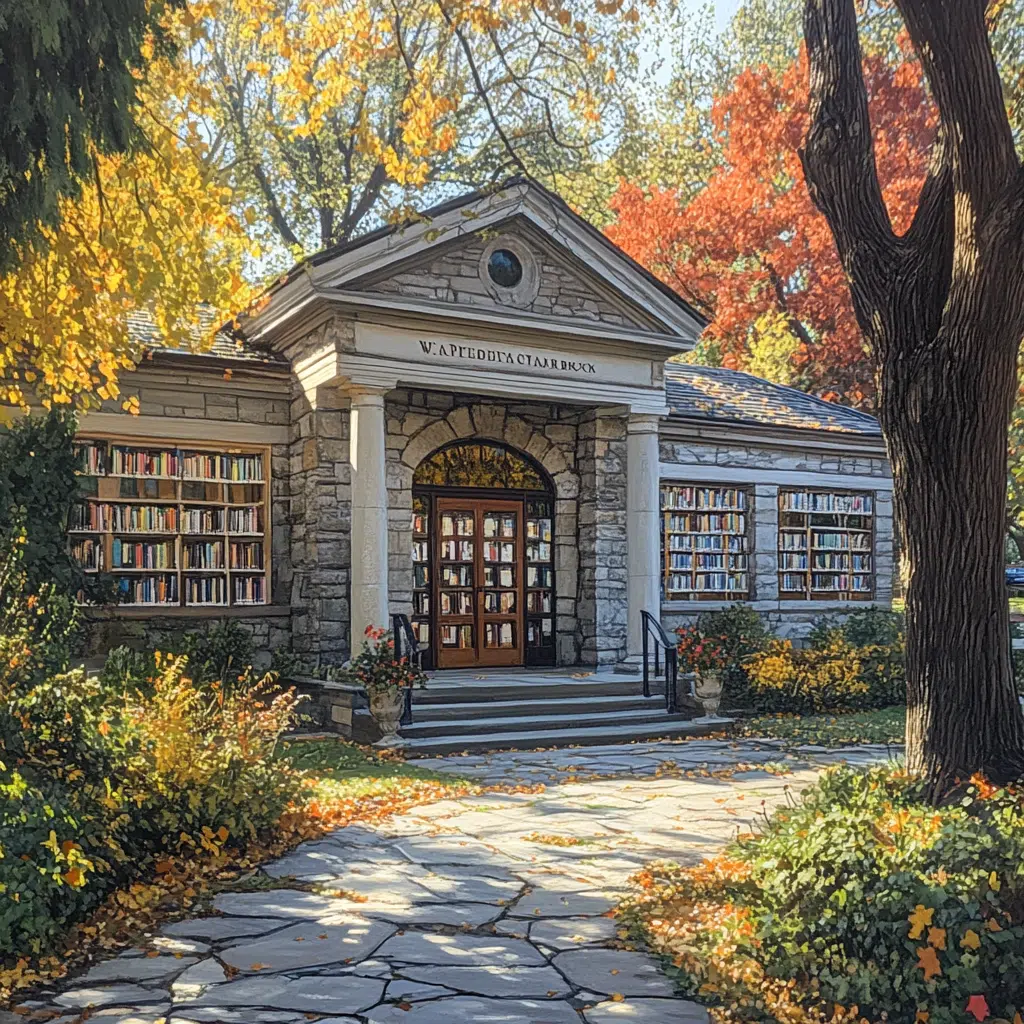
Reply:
x=861, y=902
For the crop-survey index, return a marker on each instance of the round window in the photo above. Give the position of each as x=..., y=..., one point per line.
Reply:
x=504, y=268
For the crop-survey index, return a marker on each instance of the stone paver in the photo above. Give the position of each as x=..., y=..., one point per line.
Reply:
x=493, y=908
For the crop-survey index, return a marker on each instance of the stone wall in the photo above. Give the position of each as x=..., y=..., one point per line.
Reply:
x=602, y=539
x=772, y=461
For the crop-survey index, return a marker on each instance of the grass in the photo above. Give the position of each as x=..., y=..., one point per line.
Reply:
x=347, y=769
x=882, y=726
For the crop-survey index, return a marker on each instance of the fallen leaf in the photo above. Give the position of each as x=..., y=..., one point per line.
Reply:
x=928, y=961
x=970, y=940
x=920, y=919
x=937, y=937
x=978, y=1006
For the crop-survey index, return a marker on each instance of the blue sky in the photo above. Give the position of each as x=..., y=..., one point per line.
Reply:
x=724, y=10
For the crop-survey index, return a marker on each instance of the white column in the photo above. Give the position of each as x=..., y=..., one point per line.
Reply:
x=369, y=540
x=643, y=505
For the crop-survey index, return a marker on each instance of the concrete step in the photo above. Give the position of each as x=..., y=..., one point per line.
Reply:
x=533, y=706
x=670, y=727
x=557, y=689
x=569, y=718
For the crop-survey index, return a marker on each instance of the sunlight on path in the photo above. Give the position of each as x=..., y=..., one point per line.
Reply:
x=490, y=909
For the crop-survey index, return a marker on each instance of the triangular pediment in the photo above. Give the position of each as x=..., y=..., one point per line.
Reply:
x=572, y=273
x=553, y=283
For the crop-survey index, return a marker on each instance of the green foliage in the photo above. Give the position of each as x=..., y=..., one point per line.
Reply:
x=38, y=487
x=221, y=652
x=867, y=627
x=69, y=71
x=886, y=725
x=863, y=899
x=101, y=777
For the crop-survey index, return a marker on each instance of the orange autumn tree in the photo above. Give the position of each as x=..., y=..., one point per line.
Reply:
x=750, y=249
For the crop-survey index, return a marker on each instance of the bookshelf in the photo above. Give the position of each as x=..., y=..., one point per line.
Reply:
x=705, y=543
x=826, y=545
x=421, y=582
x=175, y=525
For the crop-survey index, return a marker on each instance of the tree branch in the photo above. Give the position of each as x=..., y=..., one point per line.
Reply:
x=481, y=90
x=952, y=41
x=839, y=158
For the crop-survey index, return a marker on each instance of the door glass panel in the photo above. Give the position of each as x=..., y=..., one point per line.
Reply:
x=500, y=602
x=540, y=629
x=499, y=576
x=457, y=637
x=500, y=635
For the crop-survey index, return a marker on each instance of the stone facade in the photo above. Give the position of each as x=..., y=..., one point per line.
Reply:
x=765, y=467
x=562, y=440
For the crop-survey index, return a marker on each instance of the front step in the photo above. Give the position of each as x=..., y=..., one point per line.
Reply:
x=670, y=727
x=571, y=716
x=557, y=689
x=533, y=706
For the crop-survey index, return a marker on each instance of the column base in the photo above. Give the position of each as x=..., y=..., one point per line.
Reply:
x=631, y=666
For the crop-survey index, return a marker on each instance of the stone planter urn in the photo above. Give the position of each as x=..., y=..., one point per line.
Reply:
x=708, y=690
x=386, y=707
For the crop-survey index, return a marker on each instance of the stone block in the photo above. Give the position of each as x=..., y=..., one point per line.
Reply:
x=431, y=437
x=489, y=420
x=461, y=422
x=517, y=432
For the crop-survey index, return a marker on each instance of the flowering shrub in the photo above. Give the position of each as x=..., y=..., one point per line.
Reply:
x=783, y=678
x=743, y=633
x=377, y=670
x=862, y=902
x=700, y=652
x=834, y=676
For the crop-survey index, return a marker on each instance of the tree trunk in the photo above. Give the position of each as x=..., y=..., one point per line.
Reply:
x=943, y=307
x=945, y=421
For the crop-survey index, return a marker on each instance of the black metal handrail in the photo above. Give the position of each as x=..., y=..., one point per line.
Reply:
x=403, y=633
x=654, y=631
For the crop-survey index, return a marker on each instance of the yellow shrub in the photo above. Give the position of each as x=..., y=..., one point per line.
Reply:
x=813, y=679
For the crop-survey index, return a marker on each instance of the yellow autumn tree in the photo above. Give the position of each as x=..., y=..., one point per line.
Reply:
x=154, y=230
x=339, y=115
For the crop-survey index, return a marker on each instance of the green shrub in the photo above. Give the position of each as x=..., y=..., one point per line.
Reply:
x=866, y=627
x=101, y=777
x=38, y=487
x=863, y=896
x=223, y=652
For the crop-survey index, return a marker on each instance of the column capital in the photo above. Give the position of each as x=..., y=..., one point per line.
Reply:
x=642, y=423
x=366, y=394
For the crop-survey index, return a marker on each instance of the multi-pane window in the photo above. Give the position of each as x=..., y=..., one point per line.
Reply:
x=705, y=542
x=825, y=545
x=174, y=526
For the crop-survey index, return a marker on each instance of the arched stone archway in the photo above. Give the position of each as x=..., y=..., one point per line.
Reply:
x=415, y=433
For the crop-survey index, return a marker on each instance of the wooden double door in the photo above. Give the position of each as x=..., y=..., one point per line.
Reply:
x=478, y=582
x=483, y=590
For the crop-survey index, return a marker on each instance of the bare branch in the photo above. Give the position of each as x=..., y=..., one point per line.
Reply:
x=481, y=90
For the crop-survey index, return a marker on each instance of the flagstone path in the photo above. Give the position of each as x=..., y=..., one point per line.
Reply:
x=491, y=909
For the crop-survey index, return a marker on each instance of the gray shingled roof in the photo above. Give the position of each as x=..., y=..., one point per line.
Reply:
x=143, y=331
x=713, y=393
